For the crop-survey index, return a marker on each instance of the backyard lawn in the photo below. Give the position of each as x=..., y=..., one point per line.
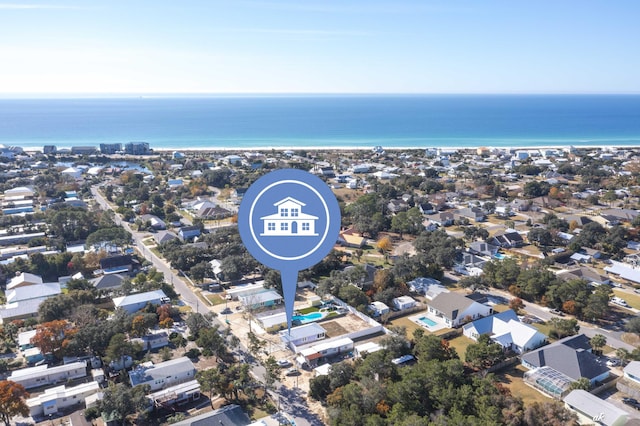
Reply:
x=512, y=379
x=460, y=344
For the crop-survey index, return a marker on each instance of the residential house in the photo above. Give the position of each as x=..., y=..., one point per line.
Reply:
x=397, y=206
x=135, y=302
x=118, y=264
x=404, y=302
x=506, y=329
x=571, y=357
x=154, y=221
x=43, y=375
x=585, y=273
x=20, y=191
x=456, y=308
x=245, y=290
x=228, y=415
x=213, y=213
x=162, y=375
x=263, y=299
x=369, y=274
x=507, y=239
x=469, y=264
x=61, y=399
x=289, y=220
x=378, y=309
x=35, y=291
x=24, y=339
x=156, y=339
x=482, y=248
x=176, y=395
x=24, y=279
x=20, y=310
x=302, y=335
x=472, y=213
x=427, y=286
x=322, y=351
x=108, y=283
x=72, y=173
x=592, y=409
x=441, y=219
x=623, y=270
x=188, y=233
x=632, y=372
x=164, y=236
x=351, y=238
x=426, y=208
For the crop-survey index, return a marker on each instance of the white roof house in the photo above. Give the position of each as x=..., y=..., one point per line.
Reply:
x=404, y=302
x=134, y=302
x=42, y=375
x=72, y=172
x=264, y=298
x=315, y=353
x=506, y=329
x=20, y=310
x=176, y=394
x=594, y=410
x=19, y=191
x=164, y=374
x=245, y=290
x=368, y=347
x=59, y=398
x=455, y=307
x=24, y=279
x=35, y=291
x=24, y=339
x=303, y=335
x=632, y=371
x=378, y=308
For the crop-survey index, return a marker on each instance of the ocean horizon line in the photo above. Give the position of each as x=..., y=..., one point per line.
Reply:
x=204, y=95
x=164, y=150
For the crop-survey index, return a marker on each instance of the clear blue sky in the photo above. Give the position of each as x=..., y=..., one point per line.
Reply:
x=319, y=46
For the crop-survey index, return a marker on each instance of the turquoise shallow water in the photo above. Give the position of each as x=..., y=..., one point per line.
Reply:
x=244, y=122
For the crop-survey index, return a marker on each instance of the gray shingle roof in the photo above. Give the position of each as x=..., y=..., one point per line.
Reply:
x=451, y=304
x=570, y=356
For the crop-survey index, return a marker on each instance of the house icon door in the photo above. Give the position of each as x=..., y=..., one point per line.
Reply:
x=294, y=227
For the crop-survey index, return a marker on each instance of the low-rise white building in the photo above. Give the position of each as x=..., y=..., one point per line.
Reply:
x=321, y=351
x=164, y=374
x=302, y=335
x=42, y=375
x=404, y=302
x=61, y=398
x=134, y=302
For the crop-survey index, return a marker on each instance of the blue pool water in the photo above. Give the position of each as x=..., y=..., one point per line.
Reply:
x=427, y=321
x=308, y=317
x=499, y=256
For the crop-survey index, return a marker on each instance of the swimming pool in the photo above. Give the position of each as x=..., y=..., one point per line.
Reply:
x=312, y=316
x=427, y=321
x=499, y=256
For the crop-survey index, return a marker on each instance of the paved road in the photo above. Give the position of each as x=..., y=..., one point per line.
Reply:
x=292, y=401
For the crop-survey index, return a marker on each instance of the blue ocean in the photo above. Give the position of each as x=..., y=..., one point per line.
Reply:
x=327, y=121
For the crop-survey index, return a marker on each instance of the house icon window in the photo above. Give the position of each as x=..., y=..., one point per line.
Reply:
x=289, y=220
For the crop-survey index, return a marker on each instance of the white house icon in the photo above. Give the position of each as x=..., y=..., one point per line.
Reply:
x=289, y=220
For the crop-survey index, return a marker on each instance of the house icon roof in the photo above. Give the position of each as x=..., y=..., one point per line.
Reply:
x=290, y=201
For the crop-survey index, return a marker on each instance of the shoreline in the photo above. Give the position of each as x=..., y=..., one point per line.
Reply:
x=164, y=150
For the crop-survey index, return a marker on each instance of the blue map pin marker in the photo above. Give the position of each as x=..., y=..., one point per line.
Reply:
x=289, y=220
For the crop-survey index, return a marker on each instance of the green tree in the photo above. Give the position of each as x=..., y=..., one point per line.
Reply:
x=119, y=347
x=121, y=401
x=272, y=373
x=598, y=342
x=633, y=325
x=209, y=381
x=196, y=322
x=582, y=383
x=484, y=353
x=212, y=342
x=563, y=327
